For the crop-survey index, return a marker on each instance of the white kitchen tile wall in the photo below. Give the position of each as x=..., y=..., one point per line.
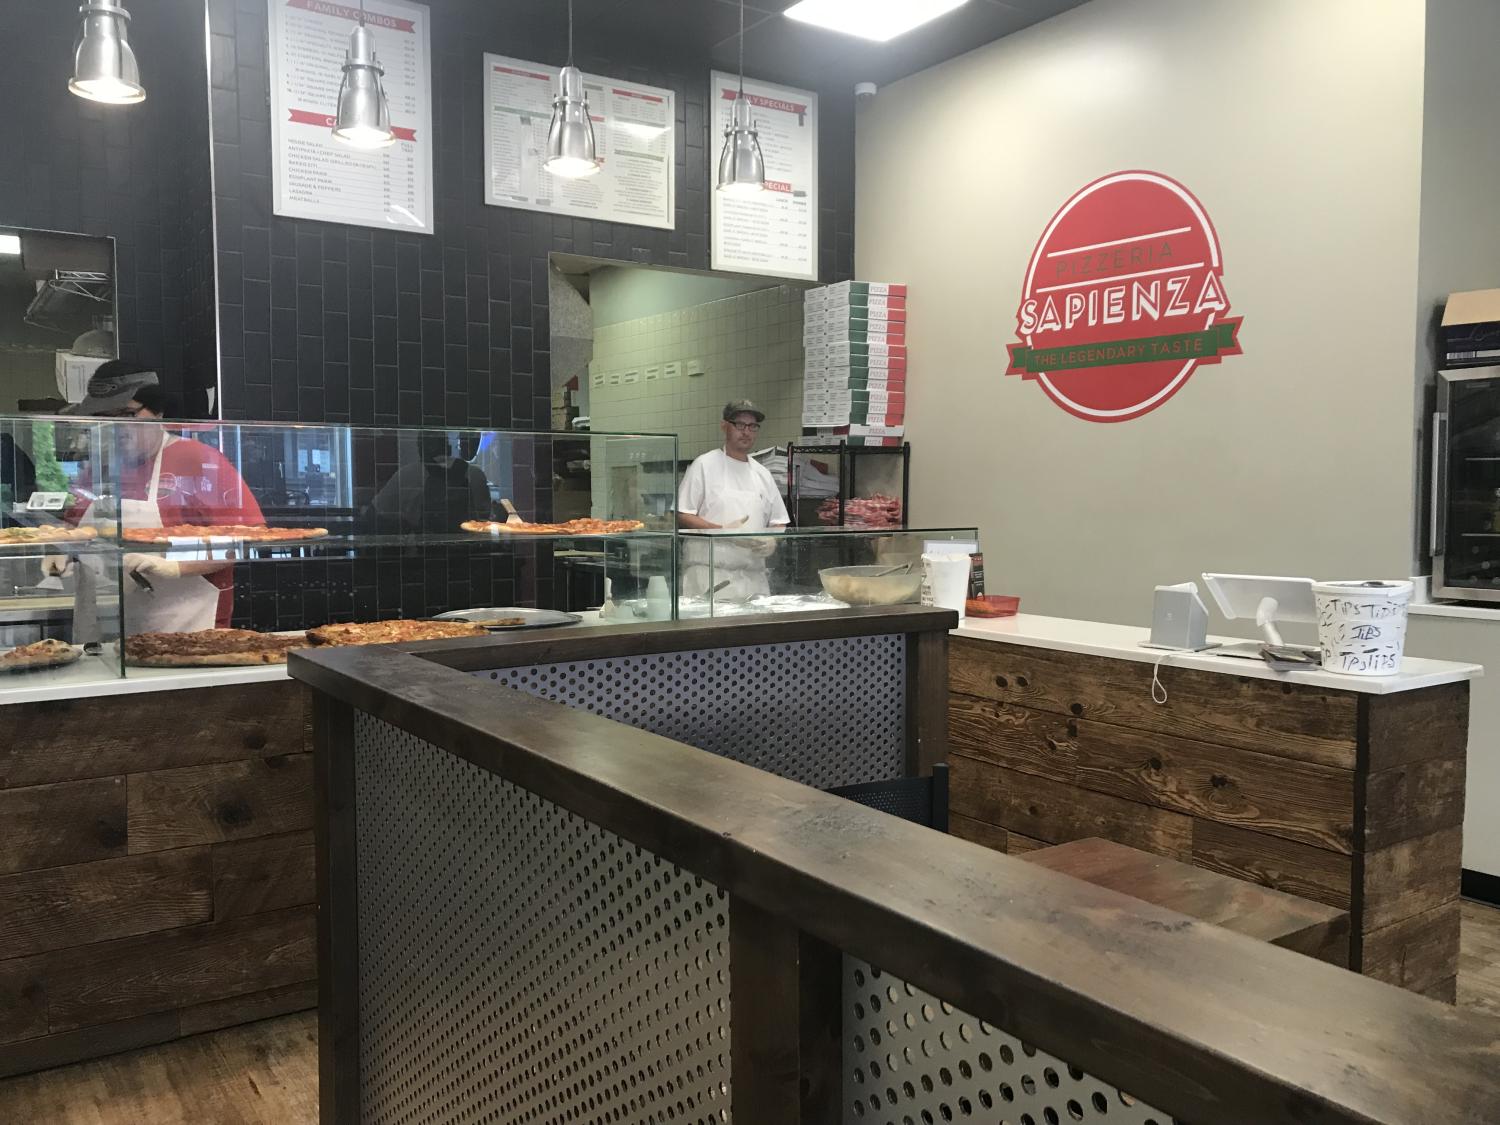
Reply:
x=748, y=346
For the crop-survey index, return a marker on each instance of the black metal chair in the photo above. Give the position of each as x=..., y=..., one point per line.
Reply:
x=922, y=800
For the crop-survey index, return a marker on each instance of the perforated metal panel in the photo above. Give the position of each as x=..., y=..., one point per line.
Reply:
x=911, y=1058
x=824, y=713
x=519, y=964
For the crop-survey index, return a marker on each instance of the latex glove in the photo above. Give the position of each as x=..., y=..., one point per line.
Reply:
x=152, y=566
x=760, y=547
x=55, y=566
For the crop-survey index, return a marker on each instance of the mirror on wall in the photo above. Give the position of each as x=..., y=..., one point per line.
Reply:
x=57, y=316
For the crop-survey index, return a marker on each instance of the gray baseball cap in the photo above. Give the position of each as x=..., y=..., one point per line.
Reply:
x=112, y=386
x=743, y=406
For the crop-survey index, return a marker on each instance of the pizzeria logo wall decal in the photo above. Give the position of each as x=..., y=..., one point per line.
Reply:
x=1124, y=299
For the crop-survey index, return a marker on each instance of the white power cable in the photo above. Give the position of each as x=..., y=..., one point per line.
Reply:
x=1158, y=689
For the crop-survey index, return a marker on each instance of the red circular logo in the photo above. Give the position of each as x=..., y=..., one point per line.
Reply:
x=1123, y=299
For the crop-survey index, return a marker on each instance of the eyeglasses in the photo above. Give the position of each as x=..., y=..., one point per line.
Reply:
x=747, y=427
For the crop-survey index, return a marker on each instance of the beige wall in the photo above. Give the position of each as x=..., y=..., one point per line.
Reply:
x=1460, y=241
x=1461, y=250
x=1299, y=126
x=745, y=346
x=1477, y=642
x=619, y=293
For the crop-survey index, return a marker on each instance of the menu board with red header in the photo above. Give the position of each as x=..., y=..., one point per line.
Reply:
x=318, y=177
x=775, y=232
x=635, y=136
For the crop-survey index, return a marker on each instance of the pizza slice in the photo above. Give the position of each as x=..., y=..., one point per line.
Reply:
x=571, y=527
x=195, y=532
x=399, y=631
x=24, y=536
x=213, y=648
x=48, y=653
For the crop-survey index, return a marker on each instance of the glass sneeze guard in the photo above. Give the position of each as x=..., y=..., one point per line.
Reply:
x=732, y=573
x=378, y=519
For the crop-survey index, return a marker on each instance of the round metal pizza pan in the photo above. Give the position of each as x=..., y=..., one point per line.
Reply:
x=532, y=618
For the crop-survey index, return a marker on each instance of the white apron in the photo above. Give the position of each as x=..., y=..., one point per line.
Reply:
x=744, y=570
x=174, y=605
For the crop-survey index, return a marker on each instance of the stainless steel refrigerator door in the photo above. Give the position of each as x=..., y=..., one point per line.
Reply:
x=1464, y=533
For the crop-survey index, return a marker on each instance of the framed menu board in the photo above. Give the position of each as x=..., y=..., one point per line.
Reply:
x=775, y=232
x=635, y=133
x=318, y=177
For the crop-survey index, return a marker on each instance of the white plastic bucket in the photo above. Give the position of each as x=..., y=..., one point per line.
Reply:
x=1362, y=626
x=658, y=599
x=945, y=581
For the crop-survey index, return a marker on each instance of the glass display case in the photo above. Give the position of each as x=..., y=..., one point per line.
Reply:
x=122, y=528
x=737, y=573
x=398, y=510
x=60, y=604
x=283, y=528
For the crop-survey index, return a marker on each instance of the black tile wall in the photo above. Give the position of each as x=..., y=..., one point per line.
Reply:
x=321, y=322
x=139, y=173
x=389, y=582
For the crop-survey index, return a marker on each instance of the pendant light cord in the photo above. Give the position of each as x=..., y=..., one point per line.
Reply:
x=361, y=13
x=742, y=46
x=570, y=32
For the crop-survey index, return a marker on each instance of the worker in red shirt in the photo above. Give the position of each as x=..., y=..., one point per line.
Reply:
x=163, y=479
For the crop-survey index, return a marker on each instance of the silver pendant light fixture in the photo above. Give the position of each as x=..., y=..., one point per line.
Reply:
x=570, y=138
x=364, y=115
x=104, y=67
x=742, y=167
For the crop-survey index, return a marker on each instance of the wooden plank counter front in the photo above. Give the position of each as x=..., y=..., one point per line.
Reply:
x=156, y=868
x=1351, y=797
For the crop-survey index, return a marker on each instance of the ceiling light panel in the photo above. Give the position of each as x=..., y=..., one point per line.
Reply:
x=880, y=20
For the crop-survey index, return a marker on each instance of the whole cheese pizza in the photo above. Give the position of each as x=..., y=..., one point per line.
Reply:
x=39, y=654
x=392, y=632
x=572, y=527
x=202, y=532
x=22, y=536
x=214, y=648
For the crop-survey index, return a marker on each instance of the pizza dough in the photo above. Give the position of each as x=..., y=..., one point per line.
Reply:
x=39, y=654
x=392, y=632
x=210, y=648
x=175, y=534
x=572, y=527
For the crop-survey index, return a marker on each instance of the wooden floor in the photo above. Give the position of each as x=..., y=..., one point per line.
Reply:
x=260, y=1074
x=1479, y=959
x=267, y=1073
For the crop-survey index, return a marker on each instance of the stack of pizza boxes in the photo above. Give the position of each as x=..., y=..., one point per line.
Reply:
x=854, y=384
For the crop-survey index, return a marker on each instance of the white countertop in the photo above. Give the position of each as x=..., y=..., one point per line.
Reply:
x=1123, y=642
x=95, y=676
x=1455, y=609
x=1422, y=604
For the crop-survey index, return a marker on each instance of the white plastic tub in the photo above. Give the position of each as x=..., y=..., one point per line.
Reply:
x=1362, y=626
x=945, y=581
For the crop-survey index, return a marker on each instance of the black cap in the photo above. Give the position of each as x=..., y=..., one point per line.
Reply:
x=743, y=406
x=112, y=386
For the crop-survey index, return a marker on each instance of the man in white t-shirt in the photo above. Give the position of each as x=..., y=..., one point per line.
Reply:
x=725, y=490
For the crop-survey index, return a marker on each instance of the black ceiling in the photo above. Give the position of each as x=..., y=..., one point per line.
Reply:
x=780, y=49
